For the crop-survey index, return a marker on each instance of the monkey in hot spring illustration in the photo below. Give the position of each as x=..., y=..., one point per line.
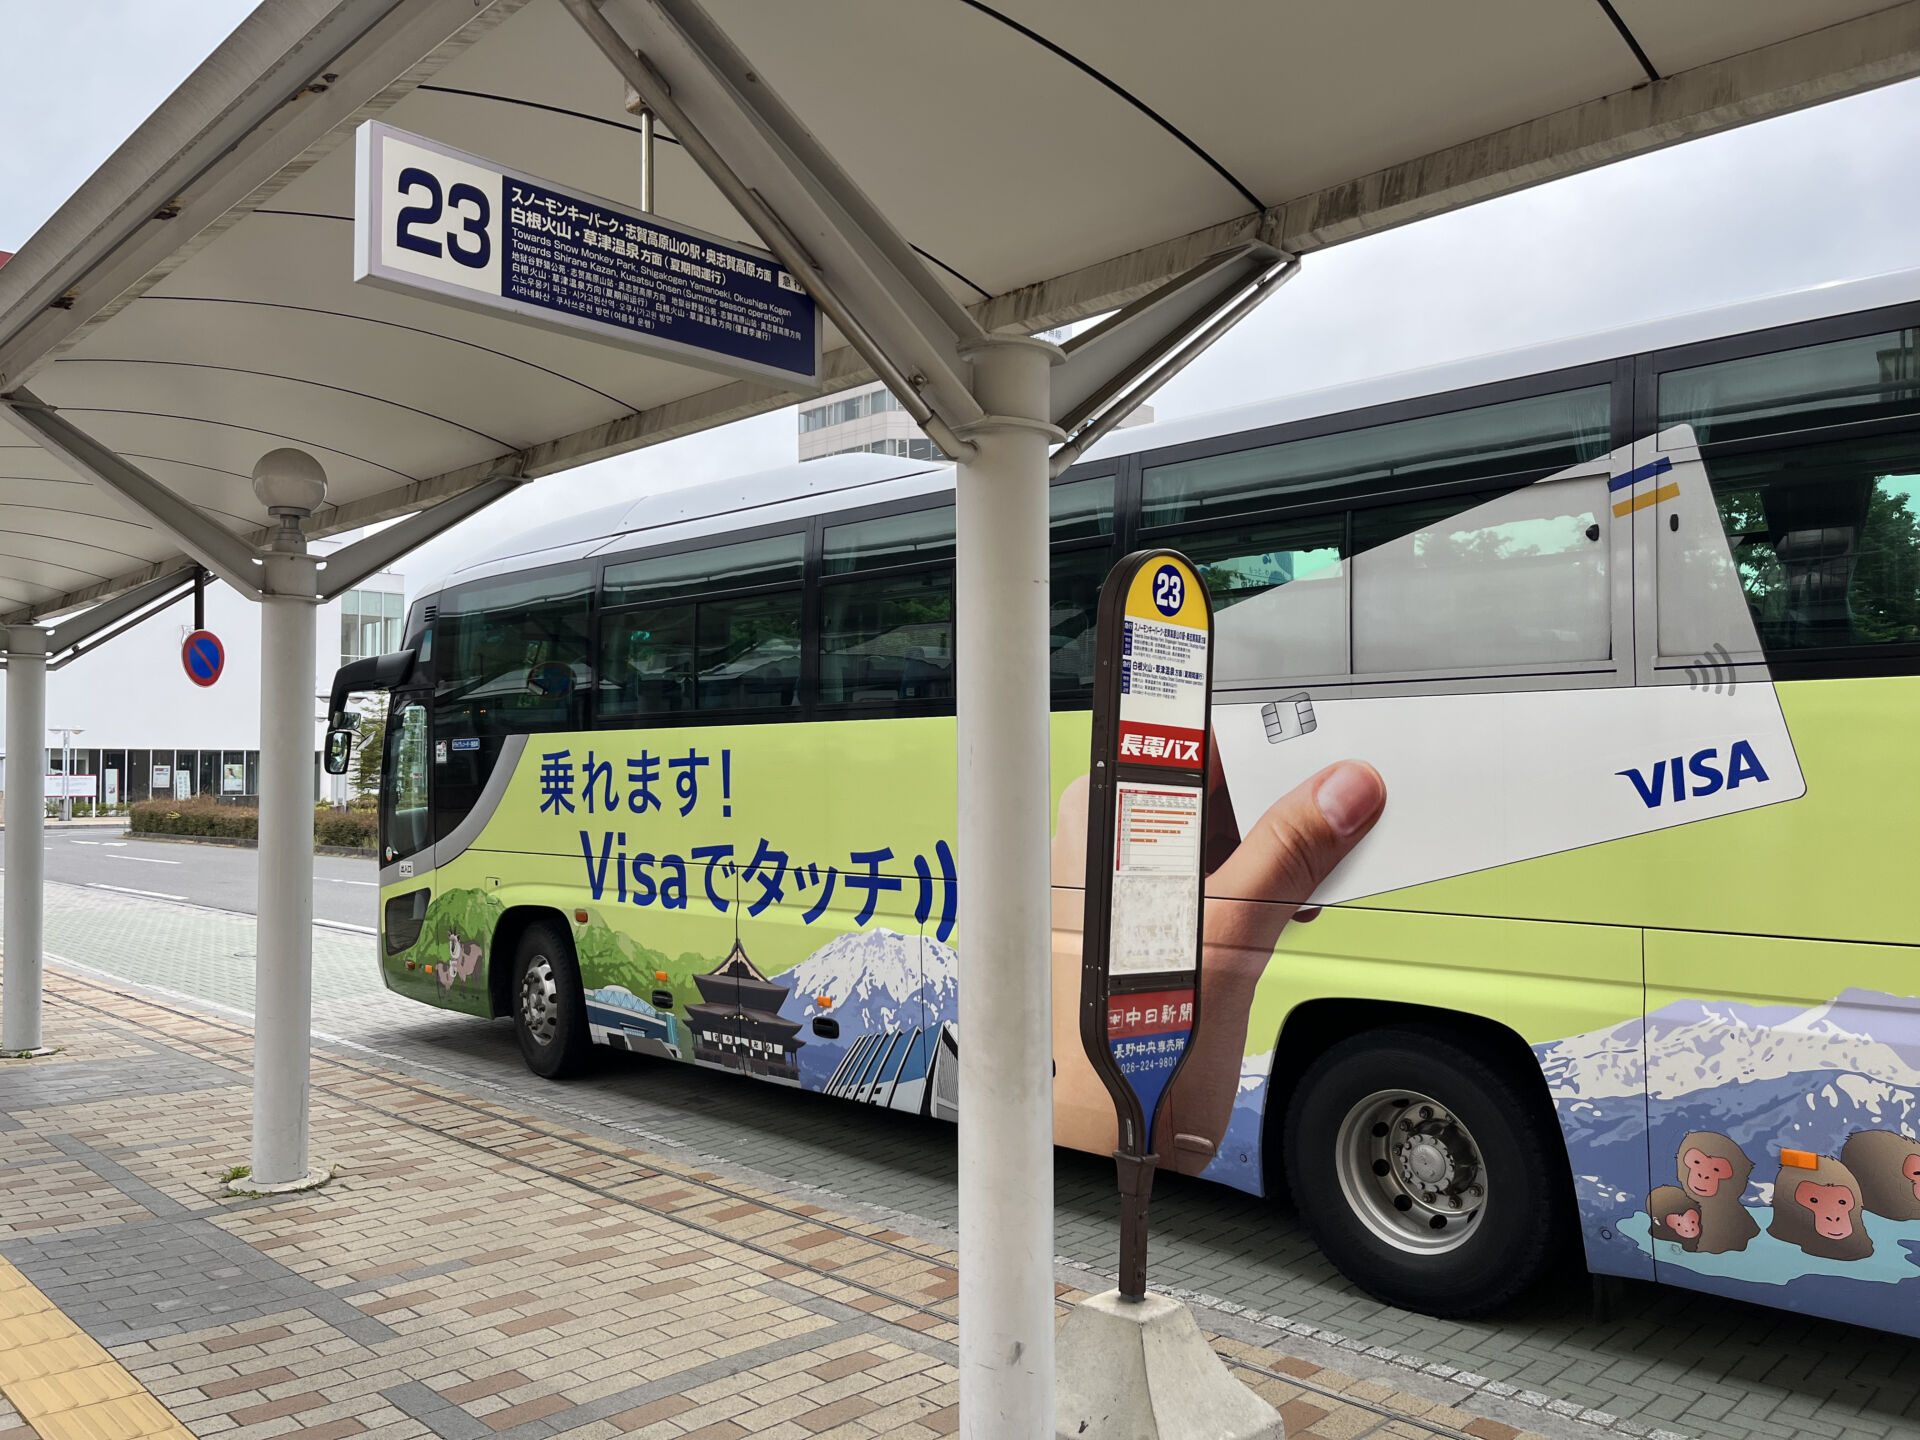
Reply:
x=1713, y=1175
x=1675, y=1216
x=1887, y=1165
x=1819, y=1210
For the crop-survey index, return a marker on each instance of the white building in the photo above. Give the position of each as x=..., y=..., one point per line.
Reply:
x=871, y=419
x=139, y=726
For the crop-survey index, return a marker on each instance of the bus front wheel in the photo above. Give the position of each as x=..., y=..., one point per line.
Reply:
x=1429, y=1177
x=549, y=1006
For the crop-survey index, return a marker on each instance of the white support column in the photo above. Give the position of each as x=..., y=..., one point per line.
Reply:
x=26, y=816
x=1006, y=1037
x=283, y=971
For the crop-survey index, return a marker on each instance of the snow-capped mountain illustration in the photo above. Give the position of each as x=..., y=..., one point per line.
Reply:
x=1765, y=1073
x=879, y=980
x=1769, y=1077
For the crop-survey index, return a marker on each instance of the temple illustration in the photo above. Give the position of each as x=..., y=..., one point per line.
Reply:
x=738, y=1026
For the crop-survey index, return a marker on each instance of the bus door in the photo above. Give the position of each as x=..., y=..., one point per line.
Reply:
x=406, y=818
x=1745, y=1134
x=406, y=795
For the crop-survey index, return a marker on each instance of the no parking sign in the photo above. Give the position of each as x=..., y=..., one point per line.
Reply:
x=203, y=657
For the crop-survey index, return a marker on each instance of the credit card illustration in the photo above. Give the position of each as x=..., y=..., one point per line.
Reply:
x=1571, y=663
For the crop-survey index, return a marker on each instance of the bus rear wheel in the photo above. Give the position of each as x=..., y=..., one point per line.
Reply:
x=549, y=1005
x=1429, y=1177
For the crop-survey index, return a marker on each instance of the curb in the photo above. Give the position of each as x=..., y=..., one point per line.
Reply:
x=234, y=842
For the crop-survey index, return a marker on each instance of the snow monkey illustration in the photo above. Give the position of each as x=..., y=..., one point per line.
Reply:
x=1888, y=1167
x=462, y=964
x=1816, y=1205
x=1675, y=1216
x=1713, y=1172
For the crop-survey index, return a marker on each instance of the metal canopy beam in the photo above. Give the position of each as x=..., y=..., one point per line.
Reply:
x=1112, y=368
x=273, y=101
x=213, y=545
x=75, y=632
x=346, y=568
x=805, y=208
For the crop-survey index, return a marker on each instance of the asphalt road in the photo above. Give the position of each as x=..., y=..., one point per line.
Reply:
x=345, y=891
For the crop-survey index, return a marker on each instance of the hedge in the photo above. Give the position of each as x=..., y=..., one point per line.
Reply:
x=356, y=828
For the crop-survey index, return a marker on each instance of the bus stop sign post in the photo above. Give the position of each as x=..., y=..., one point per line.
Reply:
x=1129, y=1363
x=1146, y=814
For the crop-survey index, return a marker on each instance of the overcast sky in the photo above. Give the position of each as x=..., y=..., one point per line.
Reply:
x=1828, y=194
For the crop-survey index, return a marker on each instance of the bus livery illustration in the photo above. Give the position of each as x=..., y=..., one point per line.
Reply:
x=1612, y=657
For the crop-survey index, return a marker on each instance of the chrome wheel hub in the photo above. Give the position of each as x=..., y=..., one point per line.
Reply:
x=1411, y=1171
x=540, y=1001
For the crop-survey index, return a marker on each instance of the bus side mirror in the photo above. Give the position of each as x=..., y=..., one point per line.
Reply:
x=339, y=751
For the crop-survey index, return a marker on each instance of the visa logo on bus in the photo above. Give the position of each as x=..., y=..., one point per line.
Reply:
x=1700, y=776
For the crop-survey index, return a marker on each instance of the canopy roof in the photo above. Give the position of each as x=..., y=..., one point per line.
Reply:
x=193, y=305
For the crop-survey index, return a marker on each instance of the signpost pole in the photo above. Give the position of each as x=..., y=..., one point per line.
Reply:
x=646, y=161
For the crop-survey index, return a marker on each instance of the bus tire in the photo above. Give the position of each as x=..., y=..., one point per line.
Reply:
x=549, y=1004
x=1427, y=1176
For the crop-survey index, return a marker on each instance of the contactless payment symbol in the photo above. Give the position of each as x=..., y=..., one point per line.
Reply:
x=203, y=657
x=1169, y=590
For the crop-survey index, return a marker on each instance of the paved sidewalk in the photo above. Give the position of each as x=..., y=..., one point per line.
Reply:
x=472, y=1270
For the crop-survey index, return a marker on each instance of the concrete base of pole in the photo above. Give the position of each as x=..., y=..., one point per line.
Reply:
x=1141, y=1370
x=312, y=1180
x=33, y=1054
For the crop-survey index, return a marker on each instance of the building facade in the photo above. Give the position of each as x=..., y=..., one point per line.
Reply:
x=126, y=723
x=870, y=419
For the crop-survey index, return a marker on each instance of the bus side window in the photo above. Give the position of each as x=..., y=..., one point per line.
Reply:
x=886, y=609
x=1824, y=526
x=887, y=640
x=511, y=660
x=1280, y=592
x=709, y=629
x=1080, y=531
x=1522, y=579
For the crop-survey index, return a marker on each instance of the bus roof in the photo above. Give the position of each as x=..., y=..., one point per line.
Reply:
x=765, y=497
x=792, y=491
x=1787, y=307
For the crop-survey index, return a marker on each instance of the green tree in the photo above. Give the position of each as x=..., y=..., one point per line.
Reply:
x=370, y=723
x=1884, y=593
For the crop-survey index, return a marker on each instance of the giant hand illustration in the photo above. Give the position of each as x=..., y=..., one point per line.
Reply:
x=1251, y=898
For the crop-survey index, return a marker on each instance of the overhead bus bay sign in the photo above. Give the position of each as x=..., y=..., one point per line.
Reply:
x=432, y=220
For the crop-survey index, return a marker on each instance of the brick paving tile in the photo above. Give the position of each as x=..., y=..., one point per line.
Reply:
x=486, y=1385
x=645, y=1298
x=252, y=1337
x=1298, y=1414
x=332, y=1430
x=545, y=1320
x=276, y=1409
x=241, y=1384
x=537, y=1409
